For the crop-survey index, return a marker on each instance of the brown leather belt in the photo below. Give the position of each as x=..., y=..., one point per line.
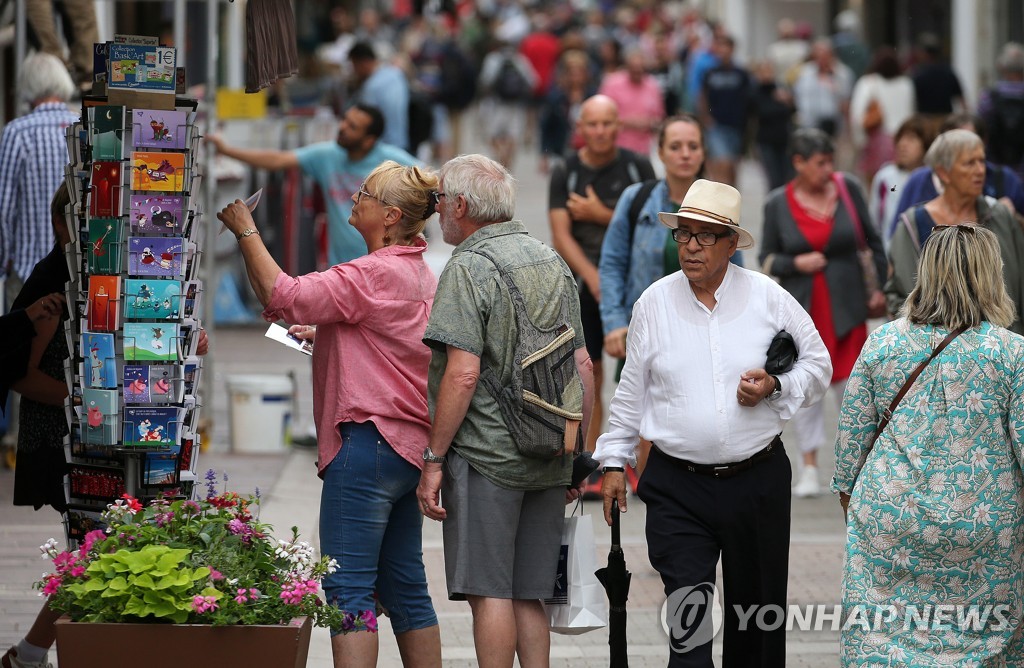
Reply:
x=725, y=470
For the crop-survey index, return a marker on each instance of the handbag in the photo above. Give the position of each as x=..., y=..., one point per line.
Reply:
x=782, y=354
x=865, y=256
x=578, y=603
x=844, y=499
x=872, y=116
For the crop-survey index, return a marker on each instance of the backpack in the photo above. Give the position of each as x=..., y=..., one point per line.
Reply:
x=1006, y=134
x=511, y=85
x=543, y=406
x=421, y=119
x=458, y=79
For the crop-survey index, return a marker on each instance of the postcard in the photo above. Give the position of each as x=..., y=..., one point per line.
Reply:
x=157, y=128
x=136, y=384
x=161, y=469
x=101, y=416
x=82, y=519
x=151, y=426
x=163, y=172
x=104, y=295
x=155, y=256
x=157, y=214
x=145, y=68
x=193, y=299
x=105, y=246
x=281, y=334
x=95, y=482
x=100, y=364
x=188, y=338
x=107, y=131
x=150, y=342
x=165, y=383
x=192, y=375
x=152, y=299
x=105, y=190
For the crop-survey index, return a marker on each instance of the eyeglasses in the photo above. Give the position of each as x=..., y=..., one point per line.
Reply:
x=363, y=191
x=965, y=227
x=438, y=195
x=682, y=237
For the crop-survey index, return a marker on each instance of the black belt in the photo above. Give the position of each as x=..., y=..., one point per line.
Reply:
x=725, y=470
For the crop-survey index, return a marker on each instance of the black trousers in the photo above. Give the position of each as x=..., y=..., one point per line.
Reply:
x=693, y=518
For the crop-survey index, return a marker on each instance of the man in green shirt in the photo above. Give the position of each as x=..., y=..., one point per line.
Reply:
x=502, y=510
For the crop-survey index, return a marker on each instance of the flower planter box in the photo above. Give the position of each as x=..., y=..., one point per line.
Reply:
x=81, y=645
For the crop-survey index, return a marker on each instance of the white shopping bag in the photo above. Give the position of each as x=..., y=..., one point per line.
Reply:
x=579, y=603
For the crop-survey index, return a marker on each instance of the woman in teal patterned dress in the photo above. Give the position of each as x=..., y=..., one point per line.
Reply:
x=935, y=516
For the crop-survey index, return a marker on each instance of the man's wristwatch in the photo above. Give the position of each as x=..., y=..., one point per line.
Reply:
x=777, y=392
x=247, y=232
x=430, y=458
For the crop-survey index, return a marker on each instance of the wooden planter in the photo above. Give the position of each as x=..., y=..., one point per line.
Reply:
x=82, y=645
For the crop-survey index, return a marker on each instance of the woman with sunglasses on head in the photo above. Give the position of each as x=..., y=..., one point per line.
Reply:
x=957, y=158
x=935, y=516
x=810, y=243
x=369, y=404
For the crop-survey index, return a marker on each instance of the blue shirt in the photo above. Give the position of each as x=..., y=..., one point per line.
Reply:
x=388, y=90
x=339, y=177
x=33, y=152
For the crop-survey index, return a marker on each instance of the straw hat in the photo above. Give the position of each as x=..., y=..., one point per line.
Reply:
x=711, y=202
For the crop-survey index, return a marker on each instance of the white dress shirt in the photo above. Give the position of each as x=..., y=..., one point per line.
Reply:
x=684, y=363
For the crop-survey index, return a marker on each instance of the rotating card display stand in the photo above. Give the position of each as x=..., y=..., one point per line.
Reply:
x=134, y=296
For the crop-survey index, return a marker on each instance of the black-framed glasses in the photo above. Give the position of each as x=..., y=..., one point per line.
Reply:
x=682, y=237
x=438, y=195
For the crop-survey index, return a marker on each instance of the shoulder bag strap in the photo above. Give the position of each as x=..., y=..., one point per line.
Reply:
x=844, y=195
x=887, y=414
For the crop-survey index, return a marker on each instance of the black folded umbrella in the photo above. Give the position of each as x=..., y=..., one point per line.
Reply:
x=615, y=579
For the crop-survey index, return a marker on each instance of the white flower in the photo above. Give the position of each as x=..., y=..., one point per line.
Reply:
x=902, y=557
x=1005, y=482
x=332, y=566
x=980, y=457
x=979, y=566
x=911, y=504
x=931, y=534
x=975, y=401
x=937, y=482
x=49, y=549
x=982, y=512
x=914, y=453
x=1005, y=537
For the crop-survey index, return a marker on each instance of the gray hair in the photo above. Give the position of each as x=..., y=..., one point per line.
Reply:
x=960, y=280
x=948, y=146
x=1011, y=58
x=809, y=141
x=43, y=76
x=488, y=188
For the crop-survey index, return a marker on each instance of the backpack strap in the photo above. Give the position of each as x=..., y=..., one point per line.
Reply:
x=572, y=174
x=633, y=171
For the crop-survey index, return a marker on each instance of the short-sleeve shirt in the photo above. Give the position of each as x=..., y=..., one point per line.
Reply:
x=608, y=182
x=728, y=91
x=340, y=177
x=472, y=311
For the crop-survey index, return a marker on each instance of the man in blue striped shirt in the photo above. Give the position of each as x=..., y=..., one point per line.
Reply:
x=33, y=153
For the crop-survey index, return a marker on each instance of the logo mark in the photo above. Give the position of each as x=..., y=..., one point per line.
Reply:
x=692, y=616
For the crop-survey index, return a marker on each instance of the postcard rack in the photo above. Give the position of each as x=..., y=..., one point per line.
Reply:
x=134, y=293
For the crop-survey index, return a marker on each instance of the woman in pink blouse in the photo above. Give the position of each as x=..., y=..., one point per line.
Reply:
x=369, y=403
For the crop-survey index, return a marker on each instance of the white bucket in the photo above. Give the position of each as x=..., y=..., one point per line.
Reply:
x=260, y=413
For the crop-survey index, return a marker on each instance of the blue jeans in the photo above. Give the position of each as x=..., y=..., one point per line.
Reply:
x=371, y=524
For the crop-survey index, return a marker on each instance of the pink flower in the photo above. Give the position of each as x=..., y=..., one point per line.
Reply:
x=369, y=619
x=92, y=538
x=202, y=604
x=236, y=526
x=52, y=585
x=77, y=571
x=241, y=598
x=215, y=574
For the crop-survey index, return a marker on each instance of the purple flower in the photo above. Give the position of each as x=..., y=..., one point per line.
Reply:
x=236, y=526
x=349, y=622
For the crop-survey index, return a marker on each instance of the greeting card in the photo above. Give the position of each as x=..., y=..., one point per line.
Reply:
x=105, y=190
x=150, y=342
x=161, y=469
x=193, y=297
x=157, y=214
x=156, y=128
x=151, y=426
x=136, y=384
x=104, y=253
x=82, y=519
x=164, y=172
x=100, y=366
x=165, y=385
x=104, y=293
x=107, y=126
x=192, y=375
x=155, y=256
x=101, y=416
x=152, y=299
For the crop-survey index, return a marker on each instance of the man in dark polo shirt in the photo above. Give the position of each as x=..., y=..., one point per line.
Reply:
x=581, y=200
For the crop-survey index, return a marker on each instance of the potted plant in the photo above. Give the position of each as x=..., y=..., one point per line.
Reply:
x=181, y=581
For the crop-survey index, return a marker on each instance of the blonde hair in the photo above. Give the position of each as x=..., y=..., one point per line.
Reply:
x=411, y=189
x=960, y=280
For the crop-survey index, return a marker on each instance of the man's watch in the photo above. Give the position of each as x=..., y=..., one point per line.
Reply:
x=430, y=458
x=777, y=392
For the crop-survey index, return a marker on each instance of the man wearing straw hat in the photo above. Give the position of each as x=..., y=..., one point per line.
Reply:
x=717, y=483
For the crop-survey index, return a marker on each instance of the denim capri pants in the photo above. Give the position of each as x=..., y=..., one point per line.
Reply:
x=370, y=522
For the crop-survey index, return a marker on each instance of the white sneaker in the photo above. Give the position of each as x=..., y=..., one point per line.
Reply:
x=808, y=484
x=11, y=660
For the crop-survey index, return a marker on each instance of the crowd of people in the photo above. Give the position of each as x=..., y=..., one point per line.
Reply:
x=650, y=271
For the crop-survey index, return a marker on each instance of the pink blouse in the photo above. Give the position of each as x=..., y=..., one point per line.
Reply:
x=369, y=360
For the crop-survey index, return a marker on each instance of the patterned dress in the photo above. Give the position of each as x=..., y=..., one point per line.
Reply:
x=936, y=515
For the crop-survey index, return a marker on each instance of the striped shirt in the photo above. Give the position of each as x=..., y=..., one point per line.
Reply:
x=33, y=153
